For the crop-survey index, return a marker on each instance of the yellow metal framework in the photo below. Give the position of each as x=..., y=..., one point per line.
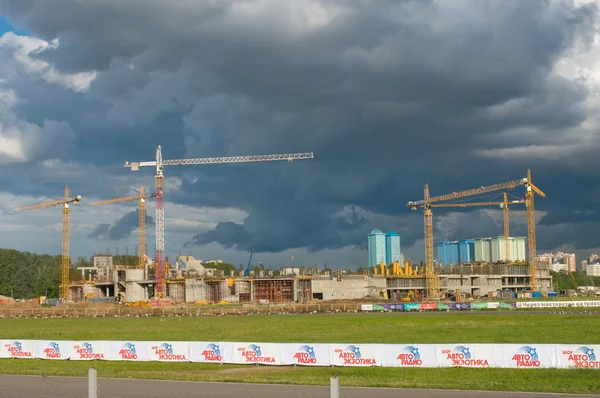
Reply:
x=428, y=201
x=142, y=215
x=431, y=279
x=531, y=189
x=66, y=222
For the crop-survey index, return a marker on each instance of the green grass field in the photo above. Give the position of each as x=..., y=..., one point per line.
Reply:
x=577, y=328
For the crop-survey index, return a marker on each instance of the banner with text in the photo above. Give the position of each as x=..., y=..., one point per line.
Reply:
x=516, y=356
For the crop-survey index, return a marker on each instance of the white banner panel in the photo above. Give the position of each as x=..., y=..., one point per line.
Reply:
x=516, y=356
x=466, y=355
x=306, y=354
x=211, y=352
x=526, y=356
x=578, y=356
x=492, y=305
x=51, y=349
x=356, y=354
x=251, y=353
x=87, y=350
x=17, y=349
x=127, y=351
x=557, y=304
x=175, y=351
x=409, y=355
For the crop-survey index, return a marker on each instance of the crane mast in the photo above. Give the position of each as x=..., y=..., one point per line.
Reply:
x=159, y=163
x=66, y=223
x=431, y=279
x=142, y=215
x=531, y=189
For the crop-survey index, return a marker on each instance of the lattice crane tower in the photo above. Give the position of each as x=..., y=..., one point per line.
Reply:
x=431, y=279
x=66, y=223
x=142, y=215
x=159, y=163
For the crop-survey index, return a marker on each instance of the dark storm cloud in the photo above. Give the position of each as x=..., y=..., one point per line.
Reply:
x=388, y=95
x=122, y=228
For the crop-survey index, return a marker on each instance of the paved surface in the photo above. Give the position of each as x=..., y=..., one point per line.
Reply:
x=67, y=387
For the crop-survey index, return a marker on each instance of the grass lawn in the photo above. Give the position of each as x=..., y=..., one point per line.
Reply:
x=513, y=327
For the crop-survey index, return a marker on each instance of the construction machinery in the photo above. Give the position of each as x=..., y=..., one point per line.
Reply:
x=432, y=281
x=66, y=226
x=531, y=189
x=142, y=221
x=159, y=163
x=503, y=205
x=247, y=271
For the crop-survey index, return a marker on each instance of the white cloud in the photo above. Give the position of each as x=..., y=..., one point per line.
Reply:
x=15, y=53
x=22, y=141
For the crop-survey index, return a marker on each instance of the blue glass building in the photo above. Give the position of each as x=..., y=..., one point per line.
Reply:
x=376, y=242
x=392, y=247
x=447, y=253
x=466, y=251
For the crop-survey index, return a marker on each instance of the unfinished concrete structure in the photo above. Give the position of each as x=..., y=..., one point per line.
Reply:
x=193, y=283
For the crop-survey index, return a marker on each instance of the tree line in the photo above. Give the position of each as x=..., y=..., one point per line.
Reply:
x=25, y=275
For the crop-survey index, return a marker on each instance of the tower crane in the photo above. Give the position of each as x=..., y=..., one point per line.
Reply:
x=159, y=163
x=142, y=214
x=66, y=219
x=531, y=189
x=503, y=205
x=432, y=281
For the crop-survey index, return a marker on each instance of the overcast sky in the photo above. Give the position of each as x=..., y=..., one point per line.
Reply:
x=389, y=95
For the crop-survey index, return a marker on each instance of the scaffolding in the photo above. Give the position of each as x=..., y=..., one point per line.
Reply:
x=304, y=289
x=275, y=290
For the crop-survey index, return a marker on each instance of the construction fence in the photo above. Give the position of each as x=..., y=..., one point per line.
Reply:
x=308, y=354
x=115, y=310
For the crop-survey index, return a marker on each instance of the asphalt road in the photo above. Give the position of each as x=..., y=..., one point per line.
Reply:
x=67, y=387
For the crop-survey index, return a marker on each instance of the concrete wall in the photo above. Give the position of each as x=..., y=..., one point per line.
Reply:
x=194, y=290
x=134, y=292
x=350, y=287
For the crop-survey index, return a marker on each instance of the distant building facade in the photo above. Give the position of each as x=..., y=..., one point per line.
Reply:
x=392, y=247
x=376, y=242
x=384, y=247
x=480, y=250
x=559, y=261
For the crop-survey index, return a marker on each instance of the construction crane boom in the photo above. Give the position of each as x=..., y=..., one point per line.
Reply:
x=432, y=280
x=66, y=221
x=468, y=192
x=142, y=215
x=159, y=163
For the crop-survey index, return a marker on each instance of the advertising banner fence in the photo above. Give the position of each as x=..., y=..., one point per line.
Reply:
x=518, y=356
x=483, y=305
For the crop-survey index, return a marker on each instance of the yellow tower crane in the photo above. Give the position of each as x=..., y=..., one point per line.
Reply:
x=64, y=294
x=503, y=205
x=531, y=189
x=142, y=222
x=432, y=281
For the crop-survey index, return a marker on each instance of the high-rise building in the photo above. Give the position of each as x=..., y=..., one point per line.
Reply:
x=392, y=247
x=376, y=242
x=559, y=261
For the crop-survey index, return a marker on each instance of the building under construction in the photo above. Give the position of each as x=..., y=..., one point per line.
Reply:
x=191, y=282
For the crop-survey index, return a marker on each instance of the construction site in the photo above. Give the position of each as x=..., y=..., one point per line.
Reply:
x=156, y=281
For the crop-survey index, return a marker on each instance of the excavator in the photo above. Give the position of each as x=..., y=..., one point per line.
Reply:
x=412, y=296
